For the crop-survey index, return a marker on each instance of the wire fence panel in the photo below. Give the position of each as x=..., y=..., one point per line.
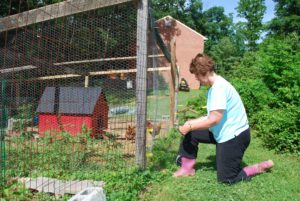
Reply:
x=68, y=99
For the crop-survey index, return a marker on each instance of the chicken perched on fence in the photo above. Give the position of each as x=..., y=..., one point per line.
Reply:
x=130, y=133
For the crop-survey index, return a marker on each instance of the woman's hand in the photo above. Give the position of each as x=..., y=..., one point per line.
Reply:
x=185, y=128
x=189, y=125
x=202, y=123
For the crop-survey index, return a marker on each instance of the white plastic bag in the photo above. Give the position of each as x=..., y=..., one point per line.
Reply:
x=90, y=194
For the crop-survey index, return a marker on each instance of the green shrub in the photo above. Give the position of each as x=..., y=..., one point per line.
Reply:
x=279, y=60
x=280, y=128
x=195, y=107
x=268, y=81
x=246, y=69
x=225, y=54
x=255, y=95
x=15, y=191
x=126, y=185
x=25, y=111
x=165, y=151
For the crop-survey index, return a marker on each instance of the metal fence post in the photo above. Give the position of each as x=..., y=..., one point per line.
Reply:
x=3, y=122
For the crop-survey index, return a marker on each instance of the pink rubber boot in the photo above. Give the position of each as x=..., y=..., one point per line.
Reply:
x=258, y=168
x=187, y=168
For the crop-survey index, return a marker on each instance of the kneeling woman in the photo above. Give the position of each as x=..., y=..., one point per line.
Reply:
x=225, y=125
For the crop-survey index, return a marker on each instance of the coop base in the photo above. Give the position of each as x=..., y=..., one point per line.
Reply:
x=58, y=187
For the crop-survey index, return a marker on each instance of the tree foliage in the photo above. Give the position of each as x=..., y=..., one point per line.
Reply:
x=287, y=18
x=269, y=83
x=18, y=6
x=280, y=62
x=216, y=26
x=187, y=11
x=225, y=54
x=279, y=128
x=246, y=68
x=253, y=11
x=255, y=94
x=217, y=23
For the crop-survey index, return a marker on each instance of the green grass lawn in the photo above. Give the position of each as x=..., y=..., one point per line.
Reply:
x=160, y=103
x=281, y=183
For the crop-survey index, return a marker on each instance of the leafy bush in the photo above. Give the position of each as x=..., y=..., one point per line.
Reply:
x=25, y=111
x=279, y=128
x=247, y=79
x=15, y=191
x=225, y=55
x=255, y=95
x=23, y=117
x=280, y=62
x=126, y=185
x=268, y=81
x=195, y=107
x=246, y=69
x=164, y=153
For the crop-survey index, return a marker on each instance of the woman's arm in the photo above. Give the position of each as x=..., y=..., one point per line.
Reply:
x=202, y=123
x=194, y=121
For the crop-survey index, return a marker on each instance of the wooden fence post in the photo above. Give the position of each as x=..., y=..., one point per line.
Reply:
x=141, y=82
x=174, y=81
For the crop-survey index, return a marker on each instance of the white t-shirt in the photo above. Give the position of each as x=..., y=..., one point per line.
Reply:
x=223, y=96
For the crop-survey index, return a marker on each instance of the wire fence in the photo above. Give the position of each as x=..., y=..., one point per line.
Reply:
x=68, y=92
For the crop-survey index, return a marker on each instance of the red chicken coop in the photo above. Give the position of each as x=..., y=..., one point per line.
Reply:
x=69, y=109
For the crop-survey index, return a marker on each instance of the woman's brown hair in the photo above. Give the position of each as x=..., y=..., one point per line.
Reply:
x=201, y=64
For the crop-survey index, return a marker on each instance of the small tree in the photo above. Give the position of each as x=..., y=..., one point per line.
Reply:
x=217, y=25
x=253, y=11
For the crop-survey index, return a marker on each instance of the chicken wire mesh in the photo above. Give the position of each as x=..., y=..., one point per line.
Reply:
x=68, y=94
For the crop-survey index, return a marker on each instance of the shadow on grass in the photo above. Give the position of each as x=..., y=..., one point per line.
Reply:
x=211, y=164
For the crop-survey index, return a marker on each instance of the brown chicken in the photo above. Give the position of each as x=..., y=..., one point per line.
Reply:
x=130, y=133
x=153, y=128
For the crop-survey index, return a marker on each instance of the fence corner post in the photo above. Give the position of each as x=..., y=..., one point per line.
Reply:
x=141, y=82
